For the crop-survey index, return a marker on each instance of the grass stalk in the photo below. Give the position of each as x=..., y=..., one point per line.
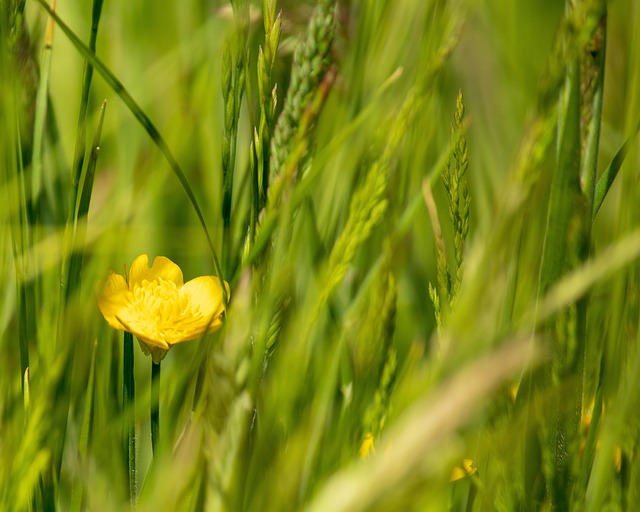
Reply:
x=155, y=407
x=267, y=93
x=565, y=219
x=129, y=402
x=304, y=188
x=38, y=185
x=311, y=61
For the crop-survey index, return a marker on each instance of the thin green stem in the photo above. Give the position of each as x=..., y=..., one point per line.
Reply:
x=129, y=399
x=593, y=142
x=38, y=179
x=69, y=274
x=155, y=406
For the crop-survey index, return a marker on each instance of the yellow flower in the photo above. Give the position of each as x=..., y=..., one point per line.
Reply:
x=467, y=469
x=158, y=307
x=367, y=446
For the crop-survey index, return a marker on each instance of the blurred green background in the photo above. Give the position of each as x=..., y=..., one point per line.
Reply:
x=323, y=346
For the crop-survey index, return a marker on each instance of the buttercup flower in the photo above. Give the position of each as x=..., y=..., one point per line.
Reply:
x=459, y=472
x=158, y=307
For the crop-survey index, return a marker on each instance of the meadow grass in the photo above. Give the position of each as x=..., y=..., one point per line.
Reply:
x=427, y=215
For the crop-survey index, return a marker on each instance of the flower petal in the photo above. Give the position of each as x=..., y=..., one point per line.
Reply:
x=216, y=323
x=191, y=329
x=205, y=293
x=114, y=299
x=139, y=270
x=136, y=323
x=162, y=267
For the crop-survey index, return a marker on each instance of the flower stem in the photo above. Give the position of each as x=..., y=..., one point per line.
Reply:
x=129, y=397
x=155, y=406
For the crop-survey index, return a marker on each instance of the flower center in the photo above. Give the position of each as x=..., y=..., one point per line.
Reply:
x=161, y=302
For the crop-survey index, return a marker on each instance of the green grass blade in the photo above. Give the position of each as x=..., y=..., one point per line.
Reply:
x=78, y=227
x=565, y=191
x=610, y=173
x=77, y=495
x=79, y=152
x=87, y=182
x=21, y=237
x=594, y=65
x=234, y=77
x=39, y=126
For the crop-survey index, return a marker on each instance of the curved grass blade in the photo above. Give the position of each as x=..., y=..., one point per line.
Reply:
x=146, y=123
x=610, y=173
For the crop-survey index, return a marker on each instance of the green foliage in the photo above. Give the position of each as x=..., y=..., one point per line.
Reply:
x=416, y=278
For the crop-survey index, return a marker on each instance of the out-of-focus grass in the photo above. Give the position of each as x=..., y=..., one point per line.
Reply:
x=330, y=334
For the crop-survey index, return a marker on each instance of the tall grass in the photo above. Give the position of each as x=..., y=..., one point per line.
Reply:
x=427, y=215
